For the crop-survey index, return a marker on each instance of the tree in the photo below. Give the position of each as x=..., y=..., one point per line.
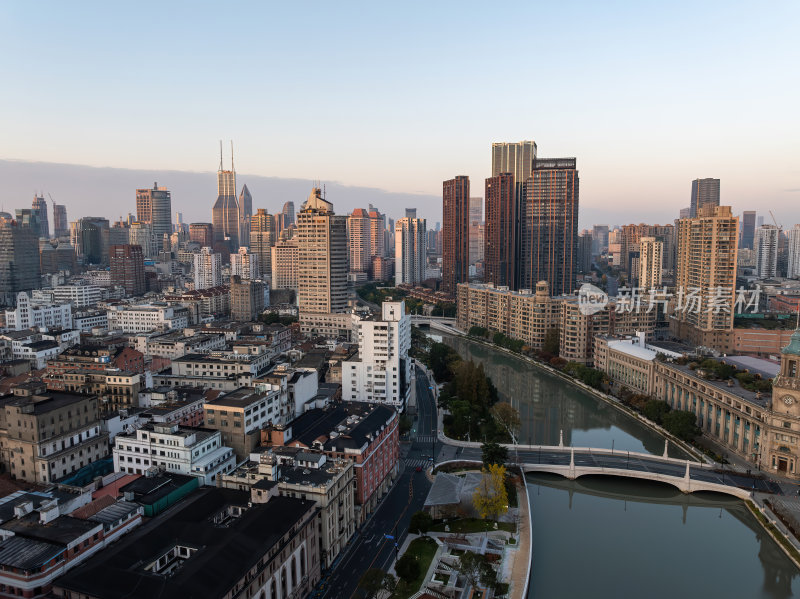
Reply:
x=655, y=410
x=476, y=569
x=490, y=497
x=405, y=424
x=375, y=581
x=682, y=424
x=507, y=416
x=421, y=522
x=407, y=567
x=552, y=342
x=493, y=453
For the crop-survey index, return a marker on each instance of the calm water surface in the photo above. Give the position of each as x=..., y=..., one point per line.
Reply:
x=603, y=537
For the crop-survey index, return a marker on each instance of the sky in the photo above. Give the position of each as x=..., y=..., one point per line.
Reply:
x=401, y=96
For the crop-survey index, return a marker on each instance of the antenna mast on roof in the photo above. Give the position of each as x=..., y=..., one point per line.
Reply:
x=220, y=154
x=232, y=169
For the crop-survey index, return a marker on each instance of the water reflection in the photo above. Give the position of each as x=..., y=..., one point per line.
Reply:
x=630, y=538
x=548, y=405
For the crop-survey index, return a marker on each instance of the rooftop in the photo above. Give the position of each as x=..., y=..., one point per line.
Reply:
x=241, y=398
x=223, y=555
x=330, y=425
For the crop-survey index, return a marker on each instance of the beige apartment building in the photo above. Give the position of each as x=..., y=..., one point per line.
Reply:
x=705, y=278
x=46, y=435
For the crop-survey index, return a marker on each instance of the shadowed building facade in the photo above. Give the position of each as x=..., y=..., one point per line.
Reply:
x=456, y=216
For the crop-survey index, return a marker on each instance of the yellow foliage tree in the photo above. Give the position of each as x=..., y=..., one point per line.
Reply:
x=490, y=497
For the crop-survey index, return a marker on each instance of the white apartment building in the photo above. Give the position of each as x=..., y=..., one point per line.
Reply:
x=32, y=314
x=381, y=372
x=793, y=247
x=245, y=264
x=193, y=452
x=80, y=296
x=410, y=246
x=766, y=243
x=144, y=318
x=86, y=320
x=177, y=344
x=207, y=269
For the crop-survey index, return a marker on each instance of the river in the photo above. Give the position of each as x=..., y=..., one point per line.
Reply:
x=609, y=538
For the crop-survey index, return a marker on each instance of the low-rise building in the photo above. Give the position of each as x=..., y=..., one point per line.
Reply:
x=46, y=435
x=144, y=318
x=307, y=475
x=629, y=362
x=44, y=315
x=196, y=452
x=219, y=544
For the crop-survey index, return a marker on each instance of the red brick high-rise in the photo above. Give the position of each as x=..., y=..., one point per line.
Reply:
x=127, y=268
x=501, y=231
x=455, y=250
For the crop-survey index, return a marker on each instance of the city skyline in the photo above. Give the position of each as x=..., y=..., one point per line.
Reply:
x=647, y=106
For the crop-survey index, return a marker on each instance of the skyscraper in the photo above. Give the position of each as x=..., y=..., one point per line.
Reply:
x=285, y=264
x=40, y=206
x=599, y=239
x=225, y=213
x=748, y=229
x=549, y=226
x=685, y=213
x=288, y=214
x=766, y=242
x=793, y=253
x=515, y=158
x=29, y=217
x=455, y=244
x=154, y=207
x=410, y=249
x=705, y=277
x=92, y=240
x=262, y=238
x=501, y=231
x=126, y=263
x=705, y=192
x=141, y=234
x=60, y=223
x=245, y=213
x=651, y=262
x=377, y=233
x=475, y=211
x=19, y=261
x=322, y=257
x=207, y=269
x=202, y=233
x=359, y=241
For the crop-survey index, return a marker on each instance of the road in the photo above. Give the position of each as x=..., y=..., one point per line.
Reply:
x=369, y=548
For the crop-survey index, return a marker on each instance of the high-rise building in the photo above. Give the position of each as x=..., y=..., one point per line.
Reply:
x=19, y=261
x=515, y=158
x=207, y=269
x=793, y=253
x=455, y=243
x=411, y=213
x=119, y=234
x=549, y=226
x=40, y=207
x=91, y=240
x=245, y=213
x=141, y=234
x=247, y=298
x=747, y=240
x=705, y=277
x=202, y=233
x=225, y=213
x=288, y=214
x=359, y=241
x=584, y=262
x=409, y=250
x=245, y=264
x=766, y=242
x=126, y=263
x=705, y=192
x=154, y=207
x=651, y=263
x=501, y=231
x=477, y=241
x=322, y=257
x=475, y=211
x=599, y=239
x=627, y=243
x=377, y=233
x=29, y=218
x=262, y=238
x=285, y=258
x=60, y=223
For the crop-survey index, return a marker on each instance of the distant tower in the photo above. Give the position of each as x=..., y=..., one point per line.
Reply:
x=202, y=233
x=766, y=246
x=126, y=264
x=207, y=269
x=262, y=238
x=40, y=206
x=288, y=215
x=358, y=241
x=154, y=207
x=748, y=230
x=705, y=192
x=60, y=223
x=410, y=250
x=225, y=213
x=455, y=246
x=245, y=213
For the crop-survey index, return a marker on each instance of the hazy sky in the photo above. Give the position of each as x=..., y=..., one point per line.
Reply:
x=646, y=95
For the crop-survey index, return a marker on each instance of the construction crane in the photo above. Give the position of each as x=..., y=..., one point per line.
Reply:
x=774, y=221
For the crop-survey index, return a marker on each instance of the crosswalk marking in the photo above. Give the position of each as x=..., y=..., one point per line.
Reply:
x=414, y=462
x=425, y=438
